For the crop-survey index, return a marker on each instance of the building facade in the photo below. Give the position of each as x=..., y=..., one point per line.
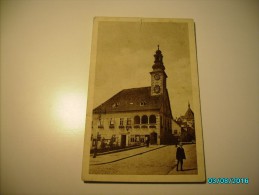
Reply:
x=135, y=115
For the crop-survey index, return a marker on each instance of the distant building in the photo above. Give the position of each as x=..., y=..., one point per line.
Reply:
x=187, y=125
x=177, y=131
x=134, y=115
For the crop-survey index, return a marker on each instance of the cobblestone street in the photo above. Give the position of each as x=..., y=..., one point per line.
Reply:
x=154, y=160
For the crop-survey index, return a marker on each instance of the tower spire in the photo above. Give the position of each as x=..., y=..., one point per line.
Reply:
x=158, y=63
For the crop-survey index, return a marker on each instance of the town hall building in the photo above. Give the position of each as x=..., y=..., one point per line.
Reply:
x=134, y=115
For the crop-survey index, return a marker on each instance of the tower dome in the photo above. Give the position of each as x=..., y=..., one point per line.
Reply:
x=158, y=63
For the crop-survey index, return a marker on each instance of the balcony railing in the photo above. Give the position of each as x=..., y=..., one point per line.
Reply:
x=135, y=126
x=111, y=126
x=152, y=126
x=144, y=126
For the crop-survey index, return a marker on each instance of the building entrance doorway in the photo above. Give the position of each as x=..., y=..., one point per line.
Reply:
x=153, y=138
x=123, y=141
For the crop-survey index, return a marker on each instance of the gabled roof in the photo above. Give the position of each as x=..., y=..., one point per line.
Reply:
x=134, y=99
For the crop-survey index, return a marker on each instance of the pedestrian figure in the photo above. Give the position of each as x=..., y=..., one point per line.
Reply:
x=111, y=142
x=180, y=155
x=147, y=141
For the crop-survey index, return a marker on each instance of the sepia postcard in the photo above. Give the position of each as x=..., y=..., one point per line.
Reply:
x=143, y=121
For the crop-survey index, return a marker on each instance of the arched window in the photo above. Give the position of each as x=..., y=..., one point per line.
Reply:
x=136, y=120
x=152, y=119
x=144, y=119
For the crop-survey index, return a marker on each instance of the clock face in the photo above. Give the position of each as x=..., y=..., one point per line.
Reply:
x=157, y=76
x=157, y=89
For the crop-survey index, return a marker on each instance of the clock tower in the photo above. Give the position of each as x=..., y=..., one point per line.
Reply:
x=158, y=75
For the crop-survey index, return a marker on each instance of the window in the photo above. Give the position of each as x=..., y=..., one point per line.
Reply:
x=143, y=103
x=111, y=122
x=121, y=121
x=152, y=119
x=100, y=123
x=175, y=132
x=115, y=105
x=128, y=121
x=136, y=120
x=142, y=138
x=144, y=119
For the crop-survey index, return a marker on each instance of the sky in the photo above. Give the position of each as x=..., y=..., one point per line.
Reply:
x=124, y=59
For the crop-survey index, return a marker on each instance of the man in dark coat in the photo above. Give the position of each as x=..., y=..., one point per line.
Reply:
x=180, y=155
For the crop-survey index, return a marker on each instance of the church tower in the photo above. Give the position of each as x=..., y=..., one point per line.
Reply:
x=158, y=75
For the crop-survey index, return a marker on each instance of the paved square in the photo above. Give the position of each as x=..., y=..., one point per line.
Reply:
x=154, y=160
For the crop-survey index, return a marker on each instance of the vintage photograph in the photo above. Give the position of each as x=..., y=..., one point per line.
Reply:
x=143, y=120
